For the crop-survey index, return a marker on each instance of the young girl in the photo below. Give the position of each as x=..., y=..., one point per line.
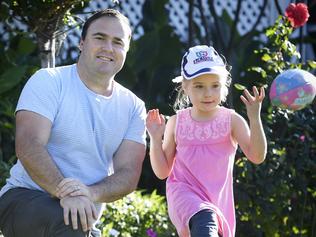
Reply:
x=199, y=145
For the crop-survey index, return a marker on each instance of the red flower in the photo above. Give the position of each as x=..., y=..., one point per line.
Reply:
x=297, y=14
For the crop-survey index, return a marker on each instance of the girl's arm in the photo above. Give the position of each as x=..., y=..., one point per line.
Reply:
x=252, y=141
x=162, y=143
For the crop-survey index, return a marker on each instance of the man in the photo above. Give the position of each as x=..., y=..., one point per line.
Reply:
x=80, y=139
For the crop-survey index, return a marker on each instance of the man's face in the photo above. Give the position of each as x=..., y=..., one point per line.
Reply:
x=104, y=49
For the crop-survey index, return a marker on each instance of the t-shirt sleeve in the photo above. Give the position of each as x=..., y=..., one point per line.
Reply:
x=136, y=130
x=40, y=95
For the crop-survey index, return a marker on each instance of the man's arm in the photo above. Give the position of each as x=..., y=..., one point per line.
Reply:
x=32, y=134
x=127, y=163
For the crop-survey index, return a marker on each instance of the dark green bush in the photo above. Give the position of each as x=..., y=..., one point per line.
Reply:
x=278, y=198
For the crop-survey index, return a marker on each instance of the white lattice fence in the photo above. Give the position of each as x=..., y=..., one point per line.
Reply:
x=250, y=10
x=178, y=18
x=130, y=8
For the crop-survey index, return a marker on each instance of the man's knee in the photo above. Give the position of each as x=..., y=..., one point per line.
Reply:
x=62, y=230
x=33, y=213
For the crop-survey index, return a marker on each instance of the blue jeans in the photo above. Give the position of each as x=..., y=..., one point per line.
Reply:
x=32, y=213
x=204, y=224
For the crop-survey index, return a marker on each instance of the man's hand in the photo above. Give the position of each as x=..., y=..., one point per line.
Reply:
x=72, y=187
x=79, y=206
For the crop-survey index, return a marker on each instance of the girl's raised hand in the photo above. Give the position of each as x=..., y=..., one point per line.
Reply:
x=253, y=102
x=155, y=124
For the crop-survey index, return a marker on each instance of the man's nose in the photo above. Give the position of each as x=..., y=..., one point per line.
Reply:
x=107, y=45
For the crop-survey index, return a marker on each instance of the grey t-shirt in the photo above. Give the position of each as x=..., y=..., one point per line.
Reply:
x=87, y=128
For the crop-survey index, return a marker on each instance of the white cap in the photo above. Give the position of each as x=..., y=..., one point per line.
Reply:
x=199, y=60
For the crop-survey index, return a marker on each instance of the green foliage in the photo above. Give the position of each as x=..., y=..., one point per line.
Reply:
x=40, y=10
x=16, y=65
x=280, y=53
x=154, y=59
x=20, y=59
x=135, y=215
x=11, y=77
x=278, y=198
x=5, y=170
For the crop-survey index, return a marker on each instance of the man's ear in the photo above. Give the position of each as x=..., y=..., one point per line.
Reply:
x=80, y=45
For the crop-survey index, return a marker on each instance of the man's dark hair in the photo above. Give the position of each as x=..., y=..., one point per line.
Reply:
x=106, y=12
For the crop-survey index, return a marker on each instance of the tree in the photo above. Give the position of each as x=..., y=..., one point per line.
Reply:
x=46, y=20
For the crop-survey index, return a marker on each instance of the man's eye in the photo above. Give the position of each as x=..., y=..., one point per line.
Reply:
x=118, y=42
x=99, y=38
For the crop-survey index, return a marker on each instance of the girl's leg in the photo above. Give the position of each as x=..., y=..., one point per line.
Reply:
x=204, y=224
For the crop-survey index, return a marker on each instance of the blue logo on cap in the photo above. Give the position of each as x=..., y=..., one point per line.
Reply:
x=201, y=54
x=202, y=57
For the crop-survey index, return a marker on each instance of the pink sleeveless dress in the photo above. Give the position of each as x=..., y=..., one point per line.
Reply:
x=202, y=175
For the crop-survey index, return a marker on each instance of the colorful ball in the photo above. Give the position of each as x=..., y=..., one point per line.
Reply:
x=293, y=89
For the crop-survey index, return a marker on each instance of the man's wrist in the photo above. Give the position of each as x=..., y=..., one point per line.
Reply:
x=92, y=193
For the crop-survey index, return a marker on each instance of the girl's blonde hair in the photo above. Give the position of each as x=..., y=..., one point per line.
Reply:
x=183, y=101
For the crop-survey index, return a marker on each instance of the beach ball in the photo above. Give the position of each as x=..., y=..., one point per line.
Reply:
x=293, y=89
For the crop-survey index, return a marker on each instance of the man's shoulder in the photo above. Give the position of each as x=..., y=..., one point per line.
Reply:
x=57, y=70
x=53, y=75
x=122, y=90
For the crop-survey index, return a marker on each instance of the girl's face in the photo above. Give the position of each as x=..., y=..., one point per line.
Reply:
x=204, y=92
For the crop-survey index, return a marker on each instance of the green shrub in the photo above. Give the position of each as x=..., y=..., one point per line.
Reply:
x=137, y=214
x=4, y=172
x=278, y=198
